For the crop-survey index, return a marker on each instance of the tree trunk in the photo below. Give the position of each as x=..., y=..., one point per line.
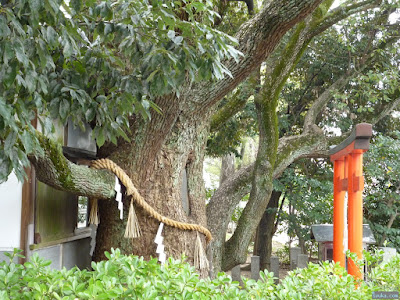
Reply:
x=388, y=226
x=261, y=188
x=296, y=228
x=266, y=230
x=302, y=242
x=155, y=161
x=220, y=210
x=227, y=167
x=393, y=216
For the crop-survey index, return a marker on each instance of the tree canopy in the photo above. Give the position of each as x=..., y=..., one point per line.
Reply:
x=382, y=197
x=98, y=63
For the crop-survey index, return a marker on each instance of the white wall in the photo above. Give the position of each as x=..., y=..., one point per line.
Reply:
x=10, y=213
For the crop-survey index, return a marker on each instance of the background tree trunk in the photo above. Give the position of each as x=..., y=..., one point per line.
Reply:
x=266, y=230
x=227, y=167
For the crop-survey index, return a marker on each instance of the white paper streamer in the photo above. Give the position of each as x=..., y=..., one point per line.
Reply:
x=118, y=198
x=160, y=246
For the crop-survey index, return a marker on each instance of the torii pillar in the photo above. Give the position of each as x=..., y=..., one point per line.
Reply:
x=347, y=161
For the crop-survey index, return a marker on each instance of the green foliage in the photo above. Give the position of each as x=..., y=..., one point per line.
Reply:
x=283, y=254
x=382, y=178
x=307, y=187
x=384, y=277
x=231, y=134
x=318, y=68
x=97, y=62
x=365, y=44
x=233, y=14
x=372, y=46
x=120, y=277
x=130, y=277
x=226, y=140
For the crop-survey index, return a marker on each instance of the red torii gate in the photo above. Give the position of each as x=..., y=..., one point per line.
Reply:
x=347, y=161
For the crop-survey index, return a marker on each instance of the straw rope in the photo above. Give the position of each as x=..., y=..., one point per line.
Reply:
x=133, y=192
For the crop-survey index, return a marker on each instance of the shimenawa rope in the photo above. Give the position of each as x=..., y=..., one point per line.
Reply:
x=138, y=199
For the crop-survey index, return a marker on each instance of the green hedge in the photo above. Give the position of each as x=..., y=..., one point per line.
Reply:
x=130, y=277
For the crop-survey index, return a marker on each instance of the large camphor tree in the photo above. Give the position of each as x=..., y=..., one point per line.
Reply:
x=149, y=76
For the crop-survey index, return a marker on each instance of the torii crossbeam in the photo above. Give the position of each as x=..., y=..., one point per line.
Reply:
x=347, y=161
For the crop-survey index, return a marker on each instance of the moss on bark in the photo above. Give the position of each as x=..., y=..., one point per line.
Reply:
x=54, y=169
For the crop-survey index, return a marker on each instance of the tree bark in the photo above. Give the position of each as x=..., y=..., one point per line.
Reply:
x=53, y=168
x=266, y=230
x=392, y=218
x=261, y=188
x=227, y=167
x=220, y=210
x=225, y=199
x=163, y=147
x=302, y=242
x=160, y=184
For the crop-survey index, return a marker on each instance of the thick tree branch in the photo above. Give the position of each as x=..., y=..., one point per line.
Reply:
x=55, y=170
x=278, y=73
x=302, y=36
x=310, y=144
x=231, y=191
x=234, y=105
x=323, y=99
x=313, y=25
x=385, y=111
x=224, y=197
x=342, y=12
x=257, y=39
x=280, y=70
x=290, y=149
x=261, y=186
